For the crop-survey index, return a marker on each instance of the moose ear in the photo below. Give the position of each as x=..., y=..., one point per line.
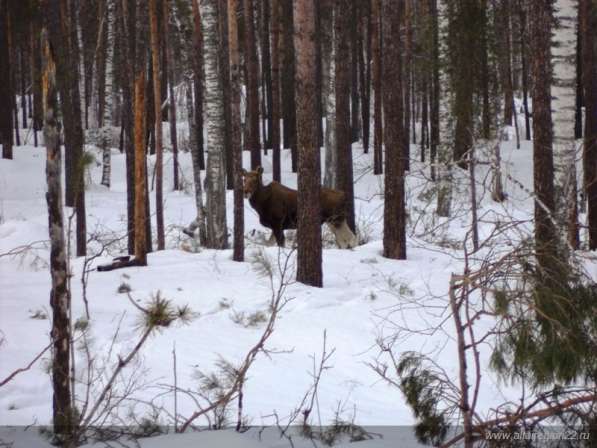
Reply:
x=259, y=170
x=244, y=172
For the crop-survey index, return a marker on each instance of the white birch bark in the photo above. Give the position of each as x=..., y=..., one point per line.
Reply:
x=217, y=232
x=446, y=134
x=199, y=221
x=329, y=86
x=563, y=92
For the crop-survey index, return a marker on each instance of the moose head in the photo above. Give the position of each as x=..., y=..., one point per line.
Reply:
x=252, y=181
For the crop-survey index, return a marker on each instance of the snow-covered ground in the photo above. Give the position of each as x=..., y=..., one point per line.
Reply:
x=361, y=289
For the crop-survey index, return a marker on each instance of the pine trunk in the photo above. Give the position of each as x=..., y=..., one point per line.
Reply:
x=309, y=269
x=275, y=110
x=589, y=45
x=394, y=229
x=376, y=33
x=252, y=84
x=5, y=90
x=546, y=236
x=140, y=169
x=172, y=102
x=198, y=82
x=344, y=174
x=157, y=97
x=238, y=253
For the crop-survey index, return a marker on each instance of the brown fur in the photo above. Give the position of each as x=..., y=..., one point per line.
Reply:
x=276, y=206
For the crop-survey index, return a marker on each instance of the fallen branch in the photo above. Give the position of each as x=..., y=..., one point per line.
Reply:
x=24, y=369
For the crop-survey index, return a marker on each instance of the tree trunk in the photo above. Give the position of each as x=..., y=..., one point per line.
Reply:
x=275, y=110
x=353, y=37
x=563, y=93
x=5, y=90
x=545, y=231
x=344, y=175
x=441, y=132
x=157, y=95
x=365, y=73
x=525, y=70
x=172, y=102
x=589, y=45
x=376, y=43
x=217, y=233
x=406, y=79
x=288, y=91
x=238, y=253
x=140, y=168
x=59, y=296
x=252, y=84
x=394, y=229
x=329, y=87
x=223, y=61
x=198, y=82
x=309, y=269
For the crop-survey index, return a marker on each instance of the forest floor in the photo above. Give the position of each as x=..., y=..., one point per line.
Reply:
x=366, y=298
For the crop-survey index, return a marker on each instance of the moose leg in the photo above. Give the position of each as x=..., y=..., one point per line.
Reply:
x=278, y=232
x=272, y=240
x=345, y=239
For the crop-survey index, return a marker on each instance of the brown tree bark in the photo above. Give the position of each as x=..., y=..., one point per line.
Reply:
x=275, y=110
x=252, y=84
x=364, y=59
x=59, y=295
x=157, y=94
x=238, y=249
x=354, y=70
x=344, y=172
x=545, y=232
x=407, y=78
x=309, y=269
x=140, y=169
x=394, y=230
x=588, y=25
x=377, y=86
x=288, y=75
x=198, y=82
x=172, y=102
x=266, y=70
x=5, y=85
x=35, y=62
x=525, y=67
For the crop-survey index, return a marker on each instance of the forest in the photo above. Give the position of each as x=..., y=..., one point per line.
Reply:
x=298, y=223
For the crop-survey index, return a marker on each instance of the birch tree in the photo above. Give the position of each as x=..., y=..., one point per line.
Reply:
x=59, y=296
x=563, y=93
x=444, y=136
x=329, y=86
x=217, y=233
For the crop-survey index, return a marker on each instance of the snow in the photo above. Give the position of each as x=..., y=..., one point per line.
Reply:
x=352, y=307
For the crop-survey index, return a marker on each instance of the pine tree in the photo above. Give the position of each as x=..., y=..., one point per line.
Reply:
x=140, y=168
x=157, y=98
x=588, y=25
x=545, y=232
x=276, y=98
x=376, y=43
x=394, y=233
x=238, y=253
x=252, y=84
x=5, y=89
x=309, y=269
x=344, y=175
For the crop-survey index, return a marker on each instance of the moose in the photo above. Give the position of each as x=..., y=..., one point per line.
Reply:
x=276, y=206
